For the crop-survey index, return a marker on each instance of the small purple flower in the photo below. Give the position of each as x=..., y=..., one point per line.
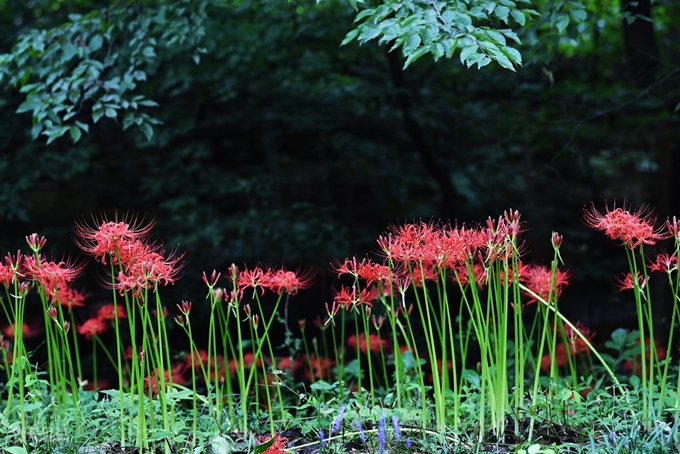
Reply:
x=397, y=429
x=382, y=439
x=337, y=422
x=322, y=438
x=362, y=434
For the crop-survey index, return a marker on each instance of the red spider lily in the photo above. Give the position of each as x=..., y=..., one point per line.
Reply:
x=67, y=296
x=35, y=242
x=366, y=269
x=619, y=224
x=148, y=270
x=408, y=243
x=255, y=278
x=462, y=277
x=350, y=297
x=92, y=327
x=108, y=312
x=248, y=362
x=290, y=281
x=627, y=282
x=374, y=344
x=321, y=368
x=108, y=237
x=11, y=269
x=26, y=331
x=428, y=273
x=212, y=281
x=664, y=262
x=539, y=279
x=200, y=357
x=50, y=274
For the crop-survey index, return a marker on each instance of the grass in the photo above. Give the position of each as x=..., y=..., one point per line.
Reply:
x=511, y=373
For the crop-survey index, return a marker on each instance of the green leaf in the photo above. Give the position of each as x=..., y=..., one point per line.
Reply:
x=562, y=24
x=95, y=43
x=513, y=54
x=467, y=51
x=415, y=56
x=76, y=134
x=351, y=36
x=502, y=12
x=149, y=52
x=264, y=446
x=147, y=130
x=519, y=17
x=15, y=450
x=110, y=112
x=677, y=107
x=578, y=15
x=411, y=44
x=504, y=62
x=368, y=32
x=619, y=337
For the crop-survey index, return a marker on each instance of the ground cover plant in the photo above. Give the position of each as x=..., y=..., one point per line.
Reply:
x=446, y=339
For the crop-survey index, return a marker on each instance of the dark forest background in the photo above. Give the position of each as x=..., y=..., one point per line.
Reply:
x=271, y=143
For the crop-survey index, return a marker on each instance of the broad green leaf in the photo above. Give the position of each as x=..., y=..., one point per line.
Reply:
x=76, y=134
x=84, y=126
x=512, y=54
x=415, y=55
x=562, y=24
x=15, y=450
x=578, y=14
x=502, y=12
x=504, y=62
x=95, y=43
x=147, y=130
x=110, y=112
x=467, y=51
x=368, y=32
x=412, y=43
x=519, y=17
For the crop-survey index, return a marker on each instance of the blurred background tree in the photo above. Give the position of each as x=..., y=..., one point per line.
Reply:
x=251, y=135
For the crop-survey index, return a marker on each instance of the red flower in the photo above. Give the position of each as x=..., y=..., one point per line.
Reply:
x=147, y=269
x=290, y=282
x=254, y=278
x=350, y=297
x=664, y=262
x=92, y=327
x=108, y=312
x=51, y=275
x=321, y=368
x=619, y=224
x=67, y=296
x=375, y=343
x=108, y=237
x=539, y=280
x=26, y=331
x=627, y=282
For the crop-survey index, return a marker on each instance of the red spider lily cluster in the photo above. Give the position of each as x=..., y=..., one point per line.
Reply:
x=97, y=325
x=422, y=252
x=140, y=264
x=632, y=229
